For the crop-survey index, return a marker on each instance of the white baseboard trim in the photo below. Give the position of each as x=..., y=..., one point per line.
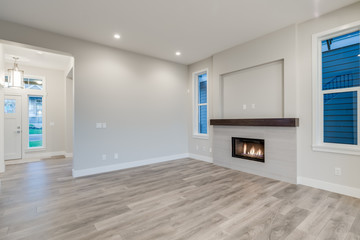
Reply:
x=115, y=167
x=35, y=155
x=68, y=155
x=332, y=187
x=201, y=158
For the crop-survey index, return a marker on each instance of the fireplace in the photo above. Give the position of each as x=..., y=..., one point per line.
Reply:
x=248, y=148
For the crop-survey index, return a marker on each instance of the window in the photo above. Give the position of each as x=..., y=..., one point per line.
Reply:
x=29, y=82
x=201, y=104
x=337, y=90
x=10, y=106
x=35, y=121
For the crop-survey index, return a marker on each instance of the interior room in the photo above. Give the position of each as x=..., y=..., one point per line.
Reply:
x=178, y=120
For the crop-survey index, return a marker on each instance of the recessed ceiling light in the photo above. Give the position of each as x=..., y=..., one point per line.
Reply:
x=178, y=53
x=116, y=36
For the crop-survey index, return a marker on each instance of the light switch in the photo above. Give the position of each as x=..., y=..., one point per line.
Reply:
x=253, y=106
x=52, y=124
x=244, y=106
x=98, y=125
x=104, y=125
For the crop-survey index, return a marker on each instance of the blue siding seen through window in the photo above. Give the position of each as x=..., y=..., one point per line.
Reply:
x=202, y=110
x=340, y=61
x=340, y=118
x=341, y=70
x=203, y=119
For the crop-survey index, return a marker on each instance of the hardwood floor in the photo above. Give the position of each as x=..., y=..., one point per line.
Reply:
x=184, y=199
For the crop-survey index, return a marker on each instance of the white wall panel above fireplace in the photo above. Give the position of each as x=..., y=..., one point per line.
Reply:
x=254, y=92
x=280, y=151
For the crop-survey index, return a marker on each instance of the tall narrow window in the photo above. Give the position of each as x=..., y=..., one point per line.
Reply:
x=35, y=121
x=201, y=104
x=338, y=87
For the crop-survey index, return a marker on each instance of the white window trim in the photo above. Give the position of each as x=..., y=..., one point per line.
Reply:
x=318, y=107
x=26, y=123
x=195, y=94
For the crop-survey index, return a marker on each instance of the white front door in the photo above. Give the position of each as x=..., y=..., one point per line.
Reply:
x=13, y=130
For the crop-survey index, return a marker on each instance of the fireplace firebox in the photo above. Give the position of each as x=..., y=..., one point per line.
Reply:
x=248, y=148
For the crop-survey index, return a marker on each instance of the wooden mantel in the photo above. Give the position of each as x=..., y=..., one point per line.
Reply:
x=264, y=122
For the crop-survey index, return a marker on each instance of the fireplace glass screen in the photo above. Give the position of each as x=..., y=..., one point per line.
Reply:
x=247, y=148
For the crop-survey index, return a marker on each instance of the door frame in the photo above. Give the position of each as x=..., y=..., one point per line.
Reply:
x=25, y=93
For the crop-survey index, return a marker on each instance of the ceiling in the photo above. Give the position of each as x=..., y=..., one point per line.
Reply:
x=159, y=28
x=35, y=58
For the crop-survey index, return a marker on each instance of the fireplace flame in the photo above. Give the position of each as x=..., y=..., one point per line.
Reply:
x=252, y=151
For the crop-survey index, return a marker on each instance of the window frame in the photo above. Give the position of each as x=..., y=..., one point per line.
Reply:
x=29, y=89
x=43, y=147
x=196, y=104
x=318, y=143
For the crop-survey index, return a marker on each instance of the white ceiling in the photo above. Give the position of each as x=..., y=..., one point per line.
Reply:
x=35, y=58
x=197, y=28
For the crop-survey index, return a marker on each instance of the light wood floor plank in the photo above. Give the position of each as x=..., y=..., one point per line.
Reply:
x=176, y=200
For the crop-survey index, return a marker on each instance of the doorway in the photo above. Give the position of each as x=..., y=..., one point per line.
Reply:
x=13, y=123
x=38, y=116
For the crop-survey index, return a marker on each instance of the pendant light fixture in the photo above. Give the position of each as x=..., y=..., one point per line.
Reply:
x=16, y=76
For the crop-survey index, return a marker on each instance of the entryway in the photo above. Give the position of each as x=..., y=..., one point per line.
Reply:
x=36, y=104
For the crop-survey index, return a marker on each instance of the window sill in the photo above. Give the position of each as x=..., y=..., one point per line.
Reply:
x=201, y=136
x=36, y=149
x=350, y=150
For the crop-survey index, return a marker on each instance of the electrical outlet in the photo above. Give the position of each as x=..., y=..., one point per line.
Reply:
x=253, y=106
x=244, y=106
x=210, y=149
x=104, y=157
x=104, y=125
x=116, y=156
x=338, y=171
x=98, y=125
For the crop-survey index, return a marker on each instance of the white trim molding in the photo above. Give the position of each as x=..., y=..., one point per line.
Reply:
x=332, y=187
x=125, y=165
x=35, y=155
x=195, y=97
x=201, y=158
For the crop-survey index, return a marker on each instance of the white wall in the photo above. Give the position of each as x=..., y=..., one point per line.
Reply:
x=255, y=92
x=320, y=165
x=55, y=109
x=280, y=45
x=140, y=98
x=2, y=75
x=69, y=108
